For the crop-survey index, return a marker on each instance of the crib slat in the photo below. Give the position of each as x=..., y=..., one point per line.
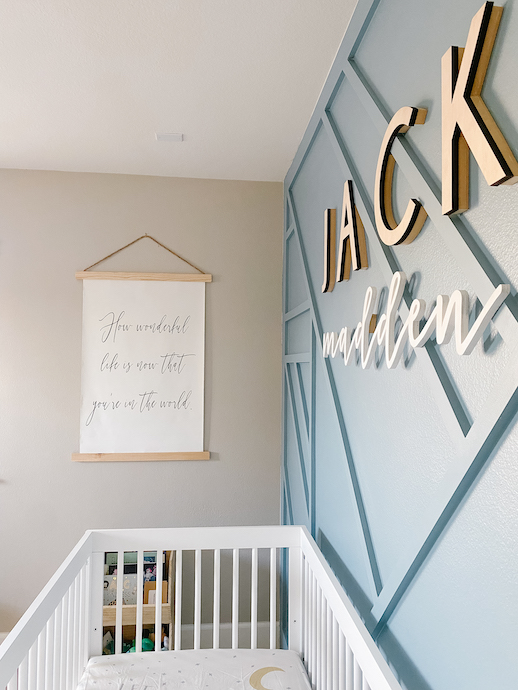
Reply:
x=140, y=600
x=329, y=648
x=358, y=676
x=118, y=605
x=81, y=621
x=160, y=556
x=323, y=641
x=314, y=630
x=13, y=683
x=217, y=595
x=70, y=632
x=341, y=662
x=318, y=669
x=23, y=674
x=349, y=668
x=253, y=603
x=49, y=654
x=295, y=598
x=305, y=630
x=336, y=655
x=94, y=607
x=64, y=643
x=273, y=598
x=197, y=598
x=235, y=598
x=178, y=603
x=56, y=674
x=307, y=620
x=33, y=666
x=75, y=633
x=40, y=666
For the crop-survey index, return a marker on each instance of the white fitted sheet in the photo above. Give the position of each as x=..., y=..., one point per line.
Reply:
x=205, y=669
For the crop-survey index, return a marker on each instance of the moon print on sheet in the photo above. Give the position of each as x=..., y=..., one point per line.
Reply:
x=257, y=676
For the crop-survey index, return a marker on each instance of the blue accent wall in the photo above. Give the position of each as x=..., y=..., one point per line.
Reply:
x=408, y=478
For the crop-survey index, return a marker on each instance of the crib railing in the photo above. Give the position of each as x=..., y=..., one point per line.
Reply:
x=337, y=650
x=49, y=647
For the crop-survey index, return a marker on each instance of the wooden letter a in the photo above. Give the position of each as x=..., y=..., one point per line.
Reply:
x=351, y=247
x=329, y=249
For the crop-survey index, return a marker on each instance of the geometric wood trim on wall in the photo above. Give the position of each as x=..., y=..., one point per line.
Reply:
x=474, y=440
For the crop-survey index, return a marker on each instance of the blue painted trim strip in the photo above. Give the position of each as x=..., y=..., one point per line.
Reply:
x=303, y=396
x=284, y=440
x=296, y=311
x=287, y=496
x=302, y=439
x=369, y=545
x=312, y=433
x=297, y=358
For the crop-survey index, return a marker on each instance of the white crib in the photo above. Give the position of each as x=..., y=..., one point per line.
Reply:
x=50, y=646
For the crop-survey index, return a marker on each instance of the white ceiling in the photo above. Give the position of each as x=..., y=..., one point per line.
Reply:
x=85, y=84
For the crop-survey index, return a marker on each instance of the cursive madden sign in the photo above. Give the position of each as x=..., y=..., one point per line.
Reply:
x=467, y=125
x=449, y=317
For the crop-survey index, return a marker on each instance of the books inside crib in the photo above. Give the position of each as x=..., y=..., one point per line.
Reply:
x=151, y=561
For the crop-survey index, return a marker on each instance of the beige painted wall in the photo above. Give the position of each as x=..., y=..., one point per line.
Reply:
x=52, y=224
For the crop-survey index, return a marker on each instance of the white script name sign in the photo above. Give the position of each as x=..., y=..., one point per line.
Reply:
x=449, y=317
x=142, y=367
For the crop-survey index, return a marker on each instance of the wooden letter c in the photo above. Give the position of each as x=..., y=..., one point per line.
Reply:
x=410, y=226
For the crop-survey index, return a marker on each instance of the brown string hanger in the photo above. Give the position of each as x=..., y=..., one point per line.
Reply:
x=142, y=237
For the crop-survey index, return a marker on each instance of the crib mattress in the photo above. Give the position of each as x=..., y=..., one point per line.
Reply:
x=206, y=669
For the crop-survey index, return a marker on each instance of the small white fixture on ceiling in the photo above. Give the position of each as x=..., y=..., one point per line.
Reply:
x=172, y=136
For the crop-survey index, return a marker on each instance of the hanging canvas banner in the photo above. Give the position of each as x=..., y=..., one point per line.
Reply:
x=142, y=376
